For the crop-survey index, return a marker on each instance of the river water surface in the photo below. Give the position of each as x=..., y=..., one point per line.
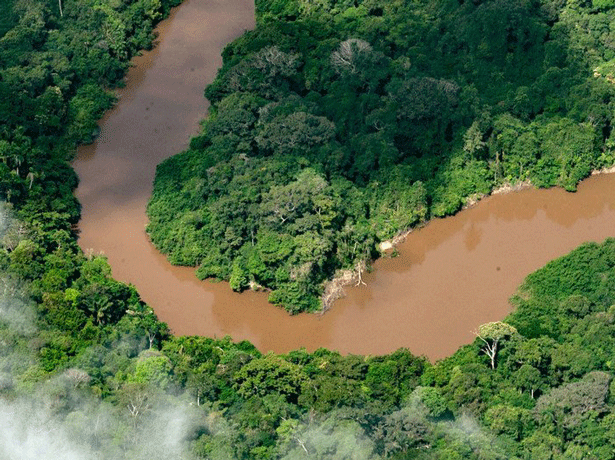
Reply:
x=451, y=276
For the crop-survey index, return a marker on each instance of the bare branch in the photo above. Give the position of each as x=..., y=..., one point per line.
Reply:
x=345, y=57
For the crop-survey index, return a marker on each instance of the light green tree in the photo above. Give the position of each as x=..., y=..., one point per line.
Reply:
x=491, y=334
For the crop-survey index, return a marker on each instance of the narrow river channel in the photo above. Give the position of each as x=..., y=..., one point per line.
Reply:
x=451, y=275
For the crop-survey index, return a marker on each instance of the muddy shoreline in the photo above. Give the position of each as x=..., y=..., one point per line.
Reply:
x=450, y=276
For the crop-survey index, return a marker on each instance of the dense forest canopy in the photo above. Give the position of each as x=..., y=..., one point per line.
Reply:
x=88, y=372
x=337, y=124
x=111, y=383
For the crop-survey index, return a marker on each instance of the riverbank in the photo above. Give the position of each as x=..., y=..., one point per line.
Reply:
x=334, y=289
x=96, y=374
x=444, y=283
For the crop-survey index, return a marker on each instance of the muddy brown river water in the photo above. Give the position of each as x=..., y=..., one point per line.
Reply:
x=451, y=276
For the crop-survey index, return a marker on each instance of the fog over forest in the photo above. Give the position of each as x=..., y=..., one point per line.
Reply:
x=334, y=126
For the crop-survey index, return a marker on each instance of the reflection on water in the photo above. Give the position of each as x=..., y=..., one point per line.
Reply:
x=451, y=275
x=472, y=236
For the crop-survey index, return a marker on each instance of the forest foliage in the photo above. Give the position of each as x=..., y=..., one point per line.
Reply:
x=88, y=372
x=97, y=373
x=337, y=124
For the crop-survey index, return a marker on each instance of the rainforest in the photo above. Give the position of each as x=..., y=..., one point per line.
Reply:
x=334, y=126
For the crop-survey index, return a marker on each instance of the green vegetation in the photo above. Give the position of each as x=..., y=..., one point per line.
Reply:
x=337, y=124
x=83, y=359
x=88, y=372
x=55, y=72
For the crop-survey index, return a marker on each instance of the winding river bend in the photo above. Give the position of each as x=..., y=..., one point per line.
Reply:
x=451, y=275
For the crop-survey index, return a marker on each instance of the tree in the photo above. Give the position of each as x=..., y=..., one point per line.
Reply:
x=152, y=369
x=136, y=398
x=492, y=334
x=296, y=133
x=270, y=374
x=513, y=421
x=273, y=62
x=331, y=439
x=77, y=376
x=569, y=405
x=403, y=429
x=528, y=378
x=142, y=321
x=348, y=54
x=302, y=205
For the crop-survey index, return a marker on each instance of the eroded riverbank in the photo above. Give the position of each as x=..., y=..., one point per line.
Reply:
x=451, y=275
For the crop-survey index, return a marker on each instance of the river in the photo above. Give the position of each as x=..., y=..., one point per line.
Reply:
x=451, y=276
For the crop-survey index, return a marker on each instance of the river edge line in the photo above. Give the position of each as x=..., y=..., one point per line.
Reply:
x=334, y=288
